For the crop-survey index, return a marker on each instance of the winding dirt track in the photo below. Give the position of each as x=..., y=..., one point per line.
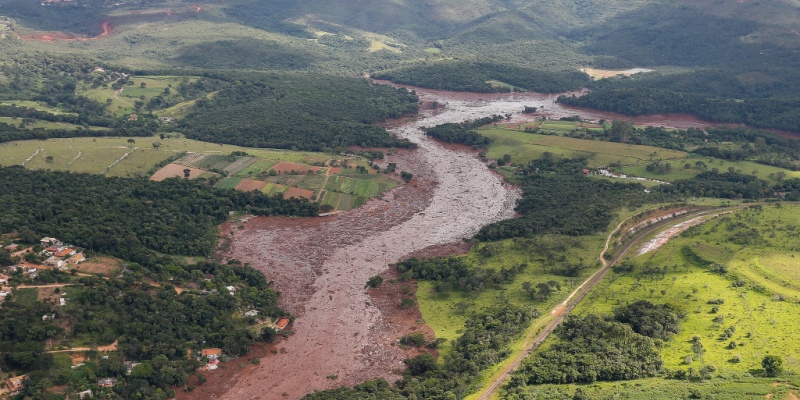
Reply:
x=321, y=265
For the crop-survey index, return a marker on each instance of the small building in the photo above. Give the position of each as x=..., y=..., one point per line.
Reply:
x=107, y=382
x=62, y=301
x=32, y=272
x=12, y=247
x=48, y=317
x=3, y=281
x=251, y=313
x=3, y=294
x=212, y=353
x=65, y=252
x=48, y=241
x=16, y=383
x=585, y=171
x=52, y=249
x=86, y=394
x=231, y=289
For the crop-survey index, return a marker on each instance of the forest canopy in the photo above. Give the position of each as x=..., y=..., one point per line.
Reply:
x=176, y=216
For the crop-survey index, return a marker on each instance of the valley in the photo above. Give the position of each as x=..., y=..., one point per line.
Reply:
x=399, y=200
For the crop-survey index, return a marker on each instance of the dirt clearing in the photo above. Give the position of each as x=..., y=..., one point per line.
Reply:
x=248, y=185
x=175, y=171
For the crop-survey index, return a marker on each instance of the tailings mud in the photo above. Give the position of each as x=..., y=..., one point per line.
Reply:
x=321, y=265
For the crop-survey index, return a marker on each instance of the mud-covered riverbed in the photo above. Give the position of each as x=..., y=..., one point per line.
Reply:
x=320, y=265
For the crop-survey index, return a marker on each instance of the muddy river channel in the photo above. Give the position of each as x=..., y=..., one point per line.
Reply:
x=320, y=265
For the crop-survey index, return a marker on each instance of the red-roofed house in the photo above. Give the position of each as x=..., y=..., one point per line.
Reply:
x=66, y=252
x=212, y=353
x=282, y=323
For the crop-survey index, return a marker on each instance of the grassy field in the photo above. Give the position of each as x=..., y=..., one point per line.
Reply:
x=123, y=101
x=764, y=322
x=524, y=146
x=447, y=314
x=729, y=386
x=98, y=153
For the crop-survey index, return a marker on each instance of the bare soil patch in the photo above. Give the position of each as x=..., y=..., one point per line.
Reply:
x=105, y=266
x=297, y=192
x=248, y=185
x=175, y=171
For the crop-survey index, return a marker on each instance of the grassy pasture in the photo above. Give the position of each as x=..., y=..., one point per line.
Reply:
x=729, y=386
x=679, y=172
x=523, y=147
x=98, y=153
x=123, y=102
x=764, y=325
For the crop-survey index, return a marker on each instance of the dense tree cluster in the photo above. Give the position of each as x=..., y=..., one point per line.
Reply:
x=453, y=273
x=308, y=112
x=125, y=217
x=726, y=185
x=658, y=321
x=462, y=133
x=476, y=77
x=558, y=199
x=591, y=349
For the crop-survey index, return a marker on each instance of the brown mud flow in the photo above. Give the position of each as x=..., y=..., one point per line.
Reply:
x=321, y=265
